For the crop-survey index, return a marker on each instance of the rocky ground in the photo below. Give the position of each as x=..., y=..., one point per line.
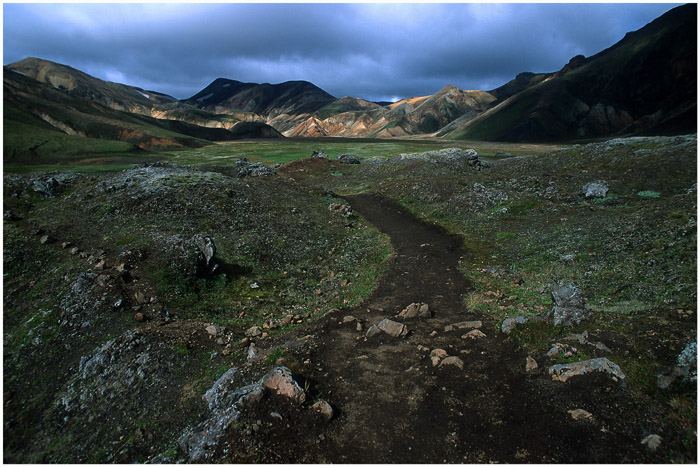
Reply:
x=433, y=307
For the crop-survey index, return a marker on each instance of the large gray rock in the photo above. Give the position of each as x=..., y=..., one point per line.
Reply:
x=225, y=402
x=565, y=371
x=595, y=189
x=255, y=170
x=569, y=305
x=348, y=159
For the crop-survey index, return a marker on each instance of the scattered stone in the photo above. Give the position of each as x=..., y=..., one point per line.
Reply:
x=565, y=371
x=74, y=250
x=433, y=333
x=44, y=239
x=509, y=324
x=212, y=330
x=474, y=334
x=280, y=381
x=452, y=361
x=373, y=331
x=359, y=327
x=253, y=331
x=652, y=442
x=9, y=215
x=139, y=297
x=118, y=303
x=349, y=319
x=252, y=352
x=569, y=306
x=563, y=350
x=323, y=408
x=580, y=414
x=530, y=364
x=392, y=328
x=348, y=159
x=65, y=245
x=436, y=355
x=595, y=189
x=100, y=265
x=415, y=310
x=463, y=325
x=567, y=258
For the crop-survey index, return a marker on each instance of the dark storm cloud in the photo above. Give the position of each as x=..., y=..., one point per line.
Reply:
x=372, y=51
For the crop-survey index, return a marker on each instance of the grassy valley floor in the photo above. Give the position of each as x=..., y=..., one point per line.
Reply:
x=110, y=295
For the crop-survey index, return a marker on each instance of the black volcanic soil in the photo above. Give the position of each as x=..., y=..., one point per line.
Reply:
x=393, y=406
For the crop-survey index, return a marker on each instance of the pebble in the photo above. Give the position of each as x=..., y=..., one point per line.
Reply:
x=580, y=414
x=652, y=442
x=530, y=364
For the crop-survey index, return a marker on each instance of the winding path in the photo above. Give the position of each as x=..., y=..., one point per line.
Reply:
x=394, y=406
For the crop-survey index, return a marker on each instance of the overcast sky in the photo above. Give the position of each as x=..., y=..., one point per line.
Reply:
x=378, y=52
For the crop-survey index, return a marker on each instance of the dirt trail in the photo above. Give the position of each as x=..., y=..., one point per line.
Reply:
x=394, y=406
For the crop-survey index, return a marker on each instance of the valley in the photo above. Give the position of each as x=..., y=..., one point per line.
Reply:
x=266, y=273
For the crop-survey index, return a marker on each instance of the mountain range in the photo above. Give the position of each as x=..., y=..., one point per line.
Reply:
x=644, y=84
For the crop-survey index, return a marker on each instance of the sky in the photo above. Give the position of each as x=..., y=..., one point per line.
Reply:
x=373, y=51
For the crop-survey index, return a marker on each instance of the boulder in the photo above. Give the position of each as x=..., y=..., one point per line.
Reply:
x=685, y=369
x=207, y=250
x=253, y=331
x=569, y=305
x=509, y=324
x=595, y=189
x=565, y=371
x=280, y=381
x=319, y=155
x=225, y=402
x=255, y=170
x=392, y=328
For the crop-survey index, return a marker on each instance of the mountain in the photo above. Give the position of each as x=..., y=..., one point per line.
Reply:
x=291, y=97
x=644, y=84
x=77, y=84
x=47, y=100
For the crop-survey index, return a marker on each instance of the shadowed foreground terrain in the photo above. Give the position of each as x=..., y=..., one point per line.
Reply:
x=233, y=311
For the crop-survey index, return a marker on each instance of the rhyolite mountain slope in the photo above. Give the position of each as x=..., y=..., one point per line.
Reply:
x=644, y=84
x=46, y=101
